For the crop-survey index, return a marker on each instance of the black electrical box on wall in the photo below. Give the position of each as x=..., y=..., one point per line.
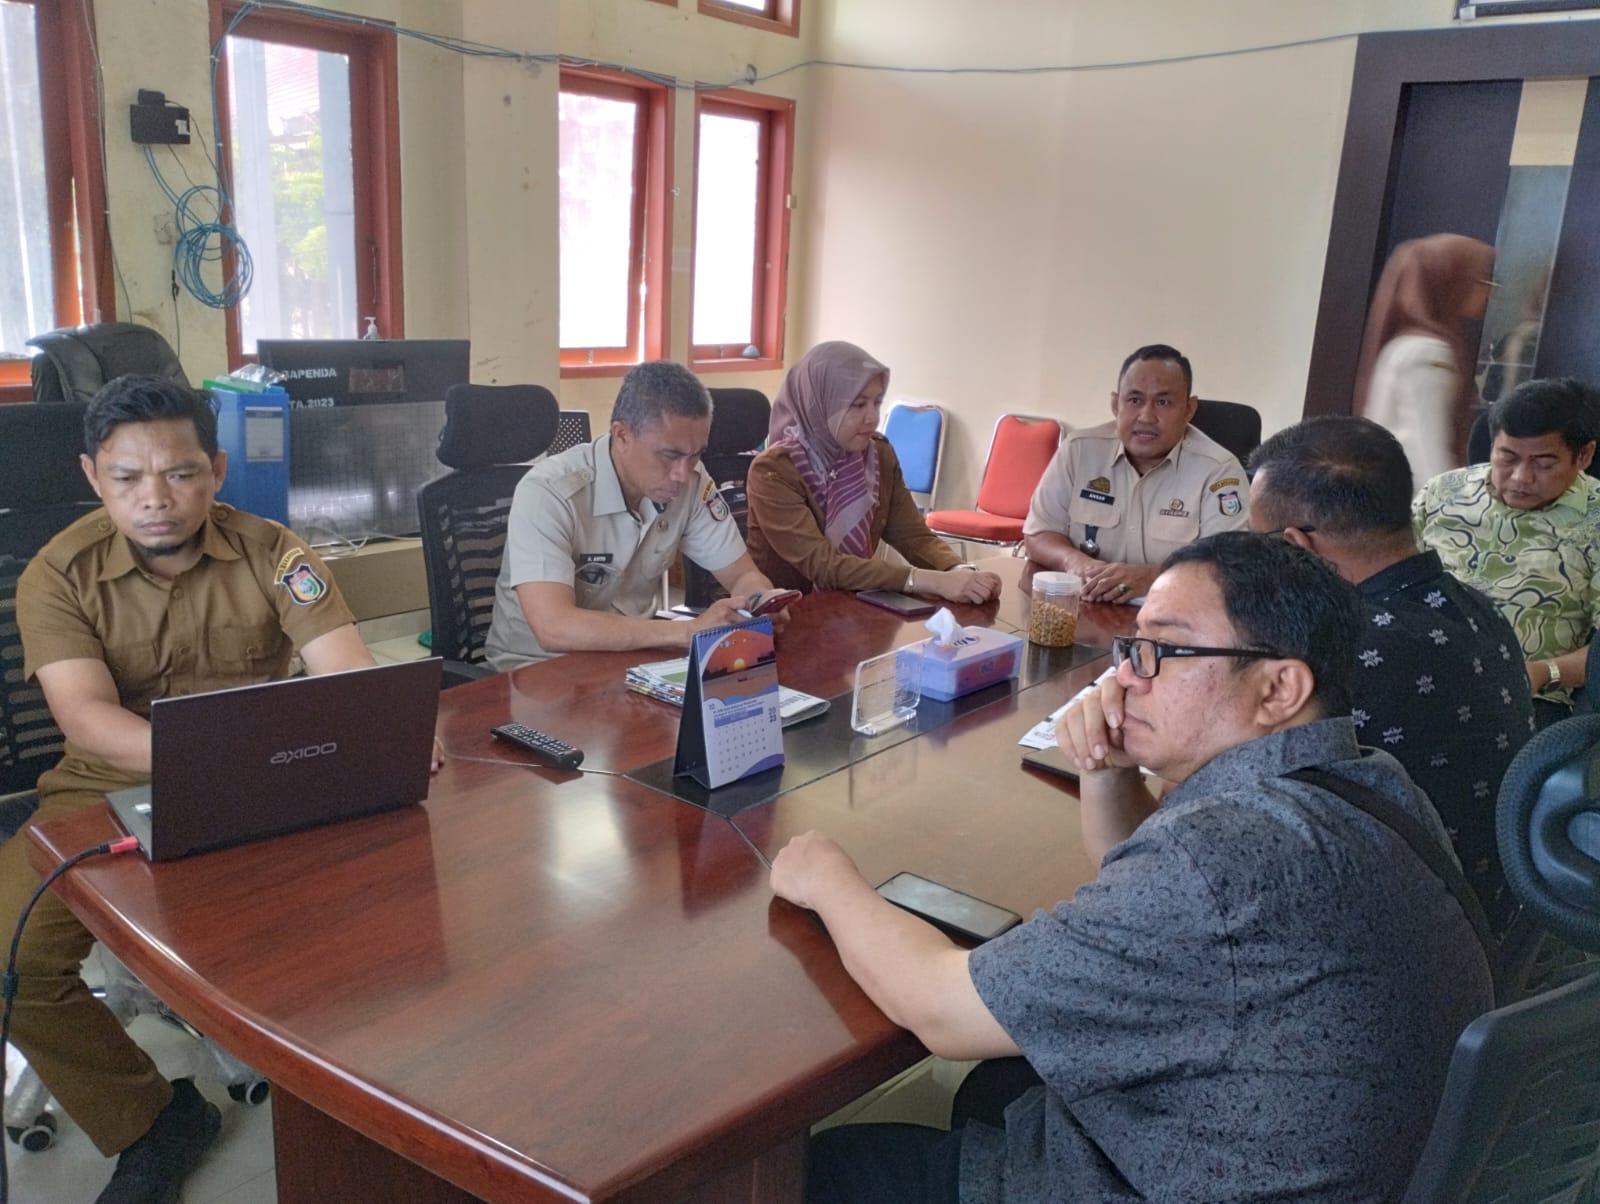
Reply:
x=154, y=120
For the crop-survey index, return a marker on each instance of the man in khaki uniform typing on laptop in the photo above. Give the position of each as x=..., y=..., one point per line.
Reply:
x=1118, y=498
x=159, y=593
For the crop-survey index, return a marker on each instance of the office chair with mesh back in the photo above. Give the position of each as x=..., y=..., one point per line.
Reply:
x=1019, y=453
x=76, y=360
x=739, y=420
x=1520, y=1117
x=572, y=428
x=490, y=433
x=41, y=493
x=916, y=432
x=1237, y=427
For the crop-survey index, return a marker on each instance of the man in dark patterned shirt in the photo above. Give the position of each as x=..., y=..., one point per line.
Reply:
x=1439, y=681
x=1256, y=999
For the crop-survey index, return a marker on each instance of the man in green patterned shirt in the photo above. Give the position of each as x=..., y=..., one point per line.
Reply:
x=1525, y=529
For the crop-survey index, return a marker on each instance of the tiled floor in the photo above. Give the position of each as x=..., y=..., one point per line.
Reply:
x=237, y=1170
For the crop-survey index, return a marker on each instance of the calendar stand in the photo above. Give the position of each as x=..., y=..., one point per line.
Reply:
x=731, y=727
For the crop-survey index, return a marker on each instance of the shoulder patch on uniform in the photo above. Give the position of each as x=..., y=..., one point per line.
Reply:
x=1229, y=503
x=715, y=504
x=1216, y=485
x=302, y=582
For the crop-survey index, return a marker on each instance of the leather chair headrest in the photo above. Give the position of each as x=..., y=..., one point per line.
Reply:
x=496, y=424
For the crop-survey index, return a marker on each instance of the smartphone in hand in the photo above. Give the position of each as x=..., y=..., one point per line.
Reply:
x=773, y=601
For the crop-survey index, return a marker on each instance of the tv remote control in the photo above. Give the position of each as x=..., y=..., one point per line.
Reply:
x=562, y=756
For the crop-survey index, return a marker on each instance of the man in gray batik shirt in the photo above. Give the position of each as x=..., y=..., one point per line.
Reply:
x=1259, y=996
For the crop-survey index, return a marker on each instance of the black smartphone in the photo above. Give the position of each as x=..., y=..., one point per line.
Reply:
x=901, y=604
x=1051, y=760
x=948, y=909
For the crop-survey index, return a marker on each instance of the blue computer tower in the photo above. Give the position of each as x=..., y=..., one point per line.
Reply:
x=253, y=428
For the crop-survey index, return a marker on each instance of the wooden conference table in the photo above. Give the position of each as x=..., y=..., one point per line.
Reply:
x=547, y=986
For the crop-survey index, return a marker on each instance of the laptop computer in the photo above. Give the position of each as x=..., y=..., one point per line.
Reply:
x=256, y=761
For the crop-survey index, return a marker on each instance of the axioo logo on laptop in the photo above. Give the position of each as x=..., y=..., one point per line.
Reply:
x=289, y=755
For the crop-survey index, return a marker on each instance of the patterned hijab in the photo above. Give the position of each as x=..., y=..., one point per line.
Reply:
x=805, y=416
x=1423, y=289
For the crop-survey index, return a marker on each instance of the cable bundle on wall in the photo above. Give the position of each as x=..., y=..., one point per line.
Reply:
x=202, y=241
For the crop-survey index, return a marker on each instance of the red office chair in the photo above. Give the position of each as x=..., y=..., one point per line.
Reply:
x=1018, y=455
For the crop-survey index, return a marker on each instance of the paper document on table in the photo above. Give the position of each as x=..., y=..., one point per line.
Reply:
x=1043, y=734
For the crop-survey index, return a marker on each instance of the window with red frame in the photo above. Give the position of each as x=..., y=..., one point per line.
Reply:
x=311, y=138
x=778, y=16
x=52, y=224
x=614, y=195
x=741, y=228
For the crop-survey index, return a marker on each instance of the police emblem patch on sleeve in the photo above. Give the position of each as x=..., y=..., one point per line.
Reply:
x=304, y=586
x=717, y=507
x=1228, y=502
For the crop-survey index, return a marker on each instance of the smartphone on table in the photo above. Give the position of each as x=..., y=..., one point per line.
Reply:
x=902, y=604
x=947, y=908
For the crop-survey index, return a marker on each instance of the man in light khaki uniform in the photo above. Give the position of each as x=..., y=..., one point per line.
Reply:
x=593, y=529
x=1119, y=497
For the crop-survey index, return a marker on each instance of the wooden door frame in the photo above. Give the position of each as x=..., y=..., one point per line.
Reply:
x=1387, y=64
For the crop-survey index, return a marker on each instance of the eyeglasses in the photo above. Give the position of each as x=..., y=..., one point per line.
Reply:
x=1304, y=528
x=1146, y=655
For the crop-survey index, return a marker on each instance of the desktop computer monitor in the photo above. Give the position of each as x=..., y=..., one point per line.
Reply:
x=364, y=424
x=320, y=373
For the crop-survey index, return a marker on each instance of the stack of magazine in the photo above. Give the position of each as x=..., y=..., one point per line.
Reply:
x=667, y=680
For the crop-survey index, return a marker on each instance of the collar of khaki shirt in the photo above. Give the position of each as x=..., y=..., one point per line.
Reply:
x=1172, y=457
x=608, y=497
x=120, y=560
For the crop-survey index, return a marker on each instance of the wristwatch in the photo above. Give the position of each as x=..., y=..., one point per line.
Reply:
x=1553, y=668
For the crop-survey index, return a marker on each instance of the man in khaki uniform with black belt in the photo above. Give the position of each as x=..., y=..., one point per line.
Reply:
x=1119, y=497
x=162, y=592
x=593, y=529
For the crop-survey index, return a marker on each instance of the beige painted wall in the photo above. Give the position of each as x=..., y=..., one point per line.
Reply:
x=478, y=165
x=165, y=44
x=1002, y=242
x=679, y=42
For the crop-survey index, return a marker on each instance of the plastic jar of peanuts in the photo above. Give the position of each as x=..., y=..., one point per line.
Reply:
x=1053, y=617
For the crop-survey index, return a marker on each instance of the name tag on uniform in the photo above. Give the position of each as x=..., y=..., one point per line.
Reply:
x=594, y=557
x=1094, y=495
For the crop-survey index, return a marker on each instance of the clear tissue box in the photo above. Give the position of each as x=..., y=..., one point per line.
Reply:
x=980, y=657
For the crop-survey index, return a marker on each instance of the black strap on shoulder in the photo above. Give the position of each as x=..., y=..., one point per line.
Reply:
x=1363, y=798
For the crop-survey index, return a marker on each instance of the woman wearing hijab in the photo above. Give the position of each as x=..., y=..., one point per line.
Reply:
x=1416, y=377
x=828, y=490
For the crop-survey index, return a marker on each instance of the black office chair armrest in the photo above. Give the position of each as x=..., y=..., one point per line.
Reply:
x=459, y=672
x=1584, y=698
x=15, y=810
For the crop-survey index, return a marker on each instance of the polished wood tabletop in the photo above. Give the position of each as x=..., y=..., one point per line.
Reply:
x=568, y=986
